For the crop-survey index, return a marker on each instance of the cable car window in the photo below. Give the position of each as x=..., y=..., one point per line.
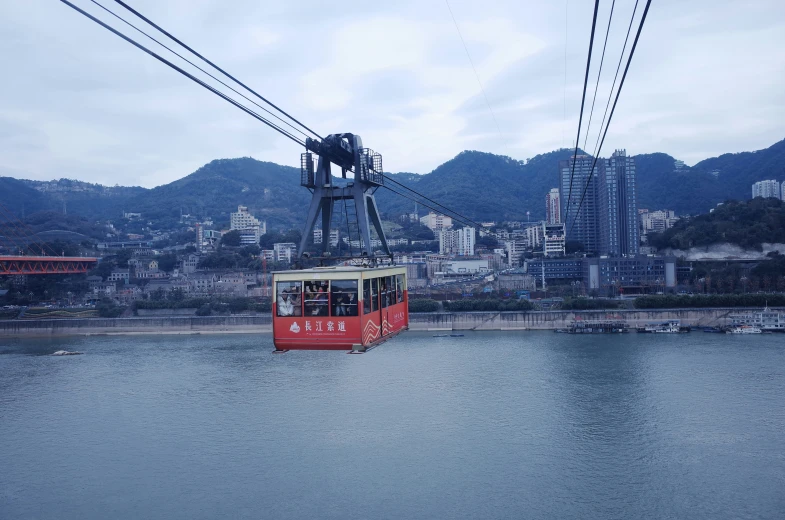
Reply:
x=366, y=296
x=383, y=292
x=374, y=294
x=391, y=290
x=288, y=301
x=344, y=297
x=399, y=287
x=317, y=298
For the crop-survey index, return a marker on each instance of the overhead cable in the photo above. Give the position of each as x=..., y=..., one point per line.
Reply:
x=599, y=72
x=186, y=74
x=445, y=208
x=583, y=100
x=476, y=75
x=615, y=77
x=198, y=67
x=216, y=67
x=621, y=84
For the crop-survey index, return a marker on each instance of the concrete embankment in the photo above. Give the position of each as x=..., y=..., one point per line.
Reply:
x=548, y=320
x=531, y=320
x=143, y=325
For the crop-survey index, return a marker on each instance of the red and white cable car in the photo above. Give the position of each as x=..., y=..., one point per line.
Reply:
x=339, y=308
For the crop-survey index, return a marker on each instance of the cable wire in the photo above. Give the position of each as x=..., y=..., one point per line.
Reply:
x=599, y=72
x=476, y=75
x=615, y=77
x=249, y=89
x=185, y=73
x=583, y=100
x=621, y=84
x=198, y=67
x=445, y=208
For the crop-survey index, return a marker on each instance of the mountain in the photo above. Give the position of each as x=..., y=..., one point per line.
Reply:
x=18, y=199
x=738, y=171
x=663, y=185
x=84, y=198
x=483, y=186
x=272, y=192
x=748, y=224
x=479, y=185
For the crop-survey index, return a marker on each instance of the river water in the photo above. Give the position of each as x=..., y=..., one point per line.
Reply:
x=490, y=425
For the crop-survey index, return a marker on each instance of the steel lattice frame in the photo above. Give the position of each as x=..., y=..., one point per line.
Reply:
x=15, y=265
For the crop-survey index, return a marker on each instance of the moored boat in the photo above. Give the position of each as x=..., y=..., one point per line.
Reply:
x=665, y=327
x=744, y=329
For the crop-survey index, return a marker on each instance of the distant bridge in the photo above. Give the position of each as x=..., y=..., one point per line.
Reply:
x=16, y=265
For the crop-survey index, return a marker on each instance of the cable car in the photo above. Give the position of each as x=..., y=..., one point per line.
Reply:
x=339, y=308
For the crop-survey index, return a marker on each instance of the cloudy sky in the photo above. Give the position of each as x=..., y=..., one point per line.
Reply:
x=708, y=77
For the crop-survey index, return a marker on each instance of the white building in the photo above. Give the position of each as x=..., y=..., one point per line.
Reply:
x=553, y=207
x=285, y=251
x=514, y=250
x=251, y=229
x=458, y=241
x=118, y=275
x=452, y=267
x=766, y=189
x=189, y=263
x=534, y=236
x=334, y=237
x=658, y=221
x=554, y=239
x=435, y=221
x=466, y=240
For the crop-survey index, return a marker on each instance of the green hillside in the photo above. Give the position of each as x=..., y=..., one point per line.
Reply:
x=747, y=223
x=18, y=199
x=270, y=191
x=738, y=171
x=483, y=186
x=480, y=185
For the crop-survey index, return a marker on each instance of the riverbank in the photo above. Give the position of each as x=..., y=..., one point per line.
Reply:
x=445, y=321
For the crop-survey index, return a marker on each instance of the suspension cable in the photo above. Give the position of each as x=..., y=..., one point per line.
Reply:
x=198, y=67
x=445, y=208
x=621, y=84
x=616, y=76
x=160, y=29
x=583, y=100
x=186, y=74
x=599, y=72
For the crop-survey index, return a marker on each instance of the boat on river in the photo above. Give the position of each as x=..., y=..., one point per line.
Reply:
x=744, y=329
x=665, y=327
x=597, y=327
x=766, y=320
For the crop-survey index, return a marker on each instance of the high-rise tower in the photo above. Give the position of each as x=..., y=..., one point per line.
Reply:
x=581, y=223
x=617, y=217
x=553, y=207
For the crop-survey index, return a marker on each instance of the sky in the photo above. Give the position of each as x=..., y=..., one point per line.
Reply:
x=708, y=77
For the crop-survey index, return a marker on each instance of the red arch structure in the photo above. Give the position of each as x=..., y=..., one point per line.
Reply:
x=32, y=265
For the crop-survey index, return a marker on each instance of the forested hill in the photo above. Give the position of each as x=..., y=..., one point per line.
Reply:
x=272, y=192
x=748, y=224
x=481, y=186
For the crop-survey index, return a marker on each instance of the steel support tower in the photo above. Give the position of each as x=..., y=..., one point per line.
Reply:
x=347, y=152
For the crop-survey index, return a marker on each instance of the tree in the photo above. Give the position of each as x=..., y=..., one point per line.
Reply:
x=122, y=257
x=231, y=238
x=167, y=262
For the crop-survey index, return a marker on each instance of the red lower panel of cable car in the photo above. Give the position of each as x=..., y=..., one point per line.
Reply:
x=339, y=332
